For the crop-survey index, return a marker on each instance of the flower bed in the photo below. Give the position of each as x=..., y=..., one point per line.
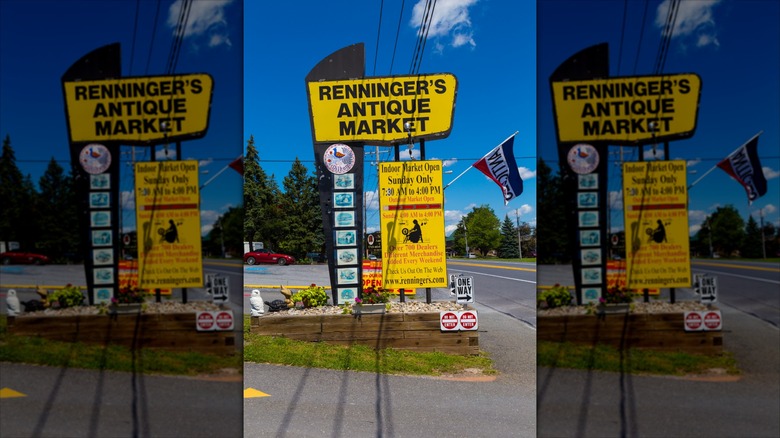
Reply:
x=406, y=331
x=173, y=331
x=657, y=326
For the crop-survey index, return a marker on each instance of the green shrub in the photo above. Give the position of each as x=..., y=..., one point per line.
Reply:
x=69, y=296
x=556, y=296
x=312, y=296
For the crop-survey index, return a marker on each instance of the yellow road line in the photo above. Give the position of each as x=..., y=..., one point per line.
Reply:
x=493, y=266
x=731, y=265
x=254, y=393
x=10, y=393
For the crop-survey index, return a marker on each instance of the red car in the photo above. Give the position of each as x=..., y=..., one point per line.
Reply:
x=19, y=257
x=266, y=256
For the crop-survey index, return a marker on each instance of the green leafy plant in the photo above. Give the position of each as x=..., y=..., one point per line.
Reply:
x=373, y=295
x=129, y=294
x=68, y=296
x=556, y=296
x=312, y=296
x=616, y=295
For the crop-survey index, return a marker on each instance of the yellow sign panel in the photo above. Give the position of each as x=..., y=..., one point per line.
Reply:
x=167, y=203
x=655, y=199
x=376, y=110
x=629, y=110
x=139, y=110
x=412, y=220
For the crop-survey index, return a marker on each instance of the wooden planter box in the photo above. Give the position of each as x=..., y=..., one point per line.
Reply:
x=660, y=331
x=173, y=331
x=403, y=331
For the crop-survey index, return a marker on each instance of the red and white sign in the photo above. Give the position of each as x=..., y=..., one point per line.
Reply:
x=448, y=321
x=712, y=320
x=693, y=322
x=224, y=320
x=204, y=321
x=468, y=320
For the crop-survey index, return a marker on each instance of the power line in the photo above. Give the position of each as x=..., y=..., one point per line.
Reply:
x=378, y=32
x=397, y=32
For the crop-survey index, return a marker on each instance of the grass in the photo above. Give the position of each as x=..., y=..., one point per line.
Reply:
x=632, y=361
x=277, y=350
x=38, y=351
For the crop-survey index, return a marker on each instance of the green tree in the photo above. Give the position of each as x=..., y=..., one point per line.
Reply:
x=227, y=233
x=484, y=229
x=508, y=248
x=263, y=215
x=58, y=224
x=17, y=195
x=302, y=228
x=752, y=245
x=553, y=241
x=727, y=230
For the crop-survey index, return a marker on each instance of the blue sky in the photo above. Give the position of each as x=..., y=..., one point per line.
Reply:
x=488, y=45
x=40, y=40
x=734, y=46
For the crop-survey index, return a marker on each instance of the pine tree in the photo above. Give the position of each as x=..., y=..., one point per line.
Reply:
x=300, y=204
x=508, y=249
x=553, y=241
x=16, y=198
x=58, y=236
x=263, y=215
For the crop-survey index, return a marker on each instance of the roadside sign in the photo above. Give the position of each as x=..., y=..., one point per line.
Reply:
x=224, y=320
x=452, y=283
x=713, y=320
x=468, y=320
x=464, y=287
x=448, y=321
x=706, y=287
x=204, y=321
x=693, y=322
x=218, y=287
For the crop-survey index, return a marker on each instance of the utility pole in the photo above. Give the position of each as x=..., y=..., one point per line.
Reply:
x=763, y=244
x=519, y=236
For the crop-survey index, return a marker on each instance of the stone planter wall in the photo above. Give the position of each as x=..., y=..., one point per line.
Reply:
x=661, y=331
x=404, y=331
x=173, y=332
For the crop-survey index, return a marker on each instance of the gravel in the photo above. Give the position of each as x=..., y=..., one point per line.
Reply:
x=637, y=307
x=395, y=307
x=151, y=308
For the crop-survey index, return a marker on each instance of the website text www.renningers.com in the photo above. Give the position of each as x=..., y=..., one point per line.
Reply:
x=420, y=281
x=659, y=280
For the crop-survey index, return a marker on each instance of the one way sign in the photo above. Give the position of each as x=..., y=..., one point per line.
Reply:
x=464, y=289
x=217, y=286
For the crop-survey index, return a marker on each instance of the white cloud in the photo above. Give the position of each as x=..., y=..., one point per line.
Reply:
x=651, y=154
x=694, y=19
x=616, y=200
x=769, y=173
x=526, y=173
x=693, y=229
x=525, y=209
x=450, y=162
x=694, y=162
x=163, y=154
x=451, y=22
x=207, y=219
x=127, y=201
x=371, y=199
x=206, y=18
x=206, y=162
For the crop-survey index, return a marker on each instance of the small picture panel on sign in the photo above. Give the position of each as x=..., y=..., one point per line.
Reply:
x=100, y=181
x=103, y=256
x=591, y=295
x=587, y=200
x=347, y=256
x=103, y=275
x=590, y=238
x=344, y=218
x=591, y=256
x=588, y=218
x=103, y=295
x=344, y=200
x=101, y=238
x=347, y=275
x=99, y=200
x=346, y=238
x=347, y=294
x=344, y=182
x=591, y=276
x=100, y=218
x=588, y=182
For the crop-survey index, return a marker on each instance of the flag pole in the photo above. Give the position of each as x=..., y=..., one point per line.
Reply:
x=470, y=167
x=217, y=174
x=715, y=166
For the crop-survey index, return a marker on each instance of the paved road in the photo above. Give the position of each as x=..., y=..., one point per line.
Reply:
x=589, y=403
x=65, y=402
x=306, y=402
x=309, y=402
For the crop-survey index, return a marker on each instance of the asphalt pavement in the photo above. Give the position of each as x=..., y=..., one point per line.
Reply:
x=586, y=403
